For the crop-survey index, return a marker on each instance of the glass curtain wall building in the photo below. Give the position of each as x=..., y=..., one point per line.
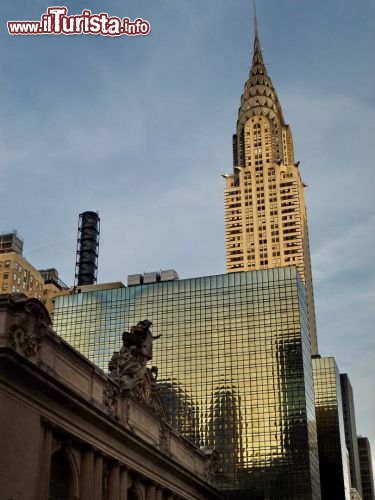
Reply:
x=234, y=365
x=333, y=454
x=350, y=432
x=366, y=468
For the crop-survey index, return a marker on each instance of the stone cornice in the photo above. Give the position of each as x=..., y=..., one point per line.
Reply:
x=52, y=375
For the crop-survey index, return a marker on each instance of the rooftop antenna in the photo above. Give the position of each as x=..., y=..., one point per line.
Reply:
x=255, y=20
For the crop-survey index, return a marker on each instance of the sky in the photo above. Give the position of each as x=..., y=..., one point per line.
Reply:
x=140, y=129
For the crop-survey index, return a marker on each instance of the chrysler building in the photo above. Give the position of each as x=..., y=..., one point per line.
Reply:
x=265, y=214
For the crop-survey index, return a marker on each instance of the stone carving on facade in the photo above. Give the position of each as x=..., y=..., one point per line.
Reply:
x=30, y=323
x=212, y=468
x=110, y=398
x=128, y=366
x=165, y=438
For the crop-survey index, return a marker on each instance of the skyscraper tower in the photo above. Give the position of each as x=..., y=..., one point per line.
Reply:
x=265, y=214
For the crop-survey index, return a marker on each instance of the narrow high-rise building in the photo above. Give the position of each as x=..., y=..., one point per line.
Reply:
x=333, y=454
x=365, y=463
x=265, y=214
x=350, y=432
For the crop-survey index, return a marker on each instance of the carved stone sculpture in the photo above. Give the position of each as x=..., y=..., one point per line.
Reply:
x=31, y=322
x=212, y=468
x=128, y=366
x=110, y=398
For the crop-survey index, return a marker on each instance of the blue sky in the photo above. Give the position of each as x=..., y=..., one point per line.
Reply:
x=140, y=129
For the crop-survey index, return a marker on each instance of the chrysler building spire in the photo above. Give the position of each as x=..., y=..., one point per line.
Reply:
x=255, y=20
x=257, y=48
x=260, y=99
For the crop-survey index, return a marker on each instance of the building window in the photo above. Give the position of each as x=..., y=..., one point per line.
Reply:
x=61, y=478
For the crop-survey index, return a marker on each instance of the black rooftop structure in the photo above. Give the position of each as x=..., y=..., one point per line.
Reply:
x=87, y=248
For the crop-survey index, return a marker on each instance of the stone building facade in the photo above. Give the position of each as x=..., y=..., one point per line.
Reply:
x=70, y=433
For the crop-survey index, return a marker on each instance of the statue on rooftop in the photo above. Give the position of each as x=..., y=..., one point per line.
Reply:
x=128, y=366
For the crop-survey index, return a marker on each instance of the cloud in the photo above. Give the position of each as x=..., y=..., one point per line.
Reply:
x=352, y=250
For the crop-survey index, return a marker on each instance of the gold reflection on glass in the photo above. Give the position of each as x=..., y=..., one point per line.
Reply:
x=234, y=368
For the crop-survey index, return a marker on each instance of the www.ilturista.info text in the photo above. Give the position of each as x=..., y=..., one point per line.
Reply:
x=57, y=22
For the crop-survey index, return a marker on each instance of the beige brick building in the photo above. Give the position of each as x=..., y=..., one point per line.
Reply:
x=17, y=275
x=265, y=214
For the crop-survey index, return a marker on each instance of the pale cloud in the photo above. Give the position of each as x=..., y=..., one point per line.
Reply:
x=348, y=251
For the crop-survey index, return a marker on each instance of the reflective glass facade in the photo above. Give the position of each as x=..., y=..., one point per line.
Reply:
x=350, y=432
x=366, y=468
x=234, y=369
x=333, y=455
